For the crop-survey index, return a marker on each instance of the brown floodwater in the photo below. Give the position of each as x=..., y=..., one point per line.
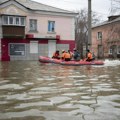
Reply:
x=30, y=90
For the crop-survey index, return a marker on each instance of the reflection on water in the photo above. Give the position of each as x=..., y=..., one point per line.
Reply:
x=35, y=91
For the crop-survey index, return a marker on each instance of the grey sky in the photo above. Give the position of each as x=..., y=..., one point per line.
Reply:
x=102, y=7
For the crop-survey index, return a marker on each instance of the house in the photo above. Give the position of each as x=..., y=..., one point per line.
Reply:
x=29, y=29
x=106, y=38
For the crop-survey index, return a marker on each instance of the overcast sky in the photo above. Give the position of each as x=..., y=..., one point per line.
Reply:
x=102, y=7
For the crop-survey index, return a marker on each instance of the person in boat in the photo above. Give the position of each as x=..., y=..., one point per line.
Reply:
x=67, y=56
x=56, y=55
x=89, y=56
x=62, y=55
x=76, y=55
x=71, y=54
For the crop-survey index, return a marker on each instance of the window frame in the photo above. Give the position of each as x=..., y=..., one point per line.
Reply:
x=9, y=20
x=17, y=21
x=51, y=26
x=99, y=35
x=118, y=49
x=110, y=50
x=5, y=22
x=22, y=20
x=13, y=23
x=15, y=55
x=33, y=25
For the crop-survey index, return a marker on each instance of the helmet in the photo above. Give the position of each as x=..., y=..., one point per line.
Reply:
x=74, y=49
x=88, y=50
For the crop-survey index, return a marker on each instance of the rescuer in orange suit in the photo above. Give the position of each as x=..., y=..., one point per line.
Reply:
x=67, y=56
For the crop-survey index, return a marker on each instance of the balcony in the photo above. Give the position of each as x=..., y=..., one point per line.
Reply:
x=13, y=31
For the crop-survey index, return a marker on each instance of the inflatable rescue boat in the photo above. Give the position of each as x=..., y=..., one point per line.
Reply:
x=44, y=59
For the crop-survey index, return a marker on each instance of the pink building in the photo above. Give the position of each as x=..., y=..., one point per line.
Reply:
x=29, y=29
x=106, y=38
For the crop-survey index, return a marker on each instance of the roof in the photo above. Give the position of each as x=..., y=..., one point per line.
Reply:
x=108, y=22
x=36, y=6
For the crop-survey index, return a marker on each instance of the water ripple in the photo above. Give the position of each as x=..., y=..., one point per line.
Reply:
x=35, y=91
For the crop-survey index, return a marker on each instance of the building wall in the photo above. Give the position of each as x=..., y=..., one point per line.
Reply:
x=96, y=42
x=42, y=49
x=110, y=37
x=64, y=28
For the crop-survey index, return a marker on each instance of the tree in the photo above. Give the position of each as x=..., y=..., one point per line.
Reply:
x=81, y=29
x=115, y=7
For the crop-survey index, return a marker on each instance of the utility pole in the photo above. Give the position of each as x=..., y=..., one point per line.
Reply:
x=89, y=43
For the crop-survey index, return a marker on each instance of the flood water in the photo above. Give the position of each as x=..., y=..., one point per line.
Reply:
x=30, y=90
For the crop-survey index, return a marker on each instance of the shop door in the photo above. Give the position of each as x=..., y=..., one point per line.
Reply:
x=34, y=50
x=51, y=47
x=100, y=51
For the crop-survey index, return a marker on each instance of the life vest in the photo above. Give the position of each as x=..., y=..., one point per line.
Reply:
x=67, y=55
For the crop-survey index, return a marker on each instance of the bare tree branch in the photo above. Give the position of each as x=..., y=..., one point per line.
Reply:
x=115, y=7
x=81, y=28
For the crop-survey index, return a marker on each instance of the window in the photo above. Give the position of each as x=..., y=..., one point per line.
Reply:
x=17, y=21
x=5, y=20
x=118, y=50
x=22, y=19
x=111, y=49
x=99, y=35
x=13, y=20
x=51, y=26
x=17, y=49
x=33, y=25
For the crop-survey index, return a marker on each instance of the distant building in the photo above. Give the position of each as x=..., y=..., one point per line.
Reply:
x=106, y=38
x=29, y=29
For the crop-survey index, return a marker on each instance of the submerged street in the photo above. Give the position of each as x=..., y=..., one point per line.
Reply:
x=30, y=90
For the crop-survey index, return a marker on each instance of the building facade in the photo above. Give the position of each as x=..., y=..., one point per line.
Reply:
x=29, y=29
x=106, y=38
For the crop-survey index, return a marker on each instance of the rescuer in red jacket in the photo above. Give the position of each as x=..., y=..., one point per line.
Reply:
x=56, y=55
